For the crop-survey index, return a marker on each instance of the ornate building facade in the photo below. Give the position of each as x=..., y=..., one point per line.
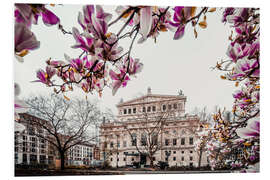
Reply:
x=149, y=129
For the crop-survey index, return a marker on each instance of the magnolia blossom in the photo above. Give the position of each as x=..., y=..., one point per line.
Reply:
x=25, y=40
x=119, y=79
x=29, y=13
x=45, y=76
x=133, y=21
x=94, y=21
x=180, y=17
x=252, y=130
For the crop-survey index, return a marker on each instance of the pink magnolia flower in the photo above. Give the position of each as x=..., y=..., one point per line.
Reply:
x=145, y=21
x=29, y=13
x=45, y=77
x=251, y=131
x=94, y=21
x=181, y=15
x=134, y=66
x=118, y=80
x=25, y=40
x=121, y=9
x=85, y=43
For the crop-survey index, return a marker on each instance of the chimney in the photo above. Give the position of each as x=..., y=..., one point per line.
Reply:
x=149, y=90
x=103, y=120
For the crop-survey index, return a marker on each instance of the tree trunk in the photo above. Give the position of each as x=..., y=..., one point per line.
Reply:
x=151, y=163
x=62, y=158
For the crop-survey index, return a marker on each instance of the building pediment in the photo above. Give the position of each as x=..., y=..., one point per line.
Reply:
x=152, y=98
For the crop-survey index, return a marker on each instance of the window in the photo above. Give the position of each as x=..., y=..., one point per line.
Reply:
x=133, y=139
x=125, y=143
x=182, y=158
x=117, y=159
x=132, y=159
x=154, y=158
x=191, y=152
x=143, y=109
x=182, y=141
x=124, y=159
x=134, y=110
x=169, y=106
x=166, y=142
x=24, y=158
x=33, y=158
x=42, y=159
x=24, y=138
x=164, y=107
x=111, y=159
x=174, y=158
x=153, y=108
x=129, y=111
x=31, y=131
x=148, y=109
x=143, y=140
x=111, y=144
x=155, y=138
x=166, y=159
x=175, y=106
x=191, y=140
x=118, y=144
x=125, y=111
x=191, y=158
x=174, y=142
x=174, y=152
x=183, y=152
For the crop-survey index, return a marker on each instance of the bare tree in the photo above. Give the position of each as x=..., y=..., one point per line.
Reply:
x=65, y=122
x=150, y=129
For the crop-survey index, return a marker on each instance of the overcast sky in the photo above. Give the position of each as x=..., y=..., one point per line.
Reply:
x=169, y=65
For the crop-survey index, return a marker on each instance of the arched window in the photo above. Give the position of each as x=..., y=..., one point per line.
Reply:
x=143, y=139
x=133, y=139
x=164, y=107
x=154, y=138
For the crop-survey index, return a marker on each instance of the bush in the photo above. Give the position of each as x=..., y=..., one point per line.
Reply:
x=31, y=166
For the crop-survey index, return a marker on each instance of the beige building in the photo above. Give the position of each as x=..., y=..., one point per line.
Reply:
x=149, y=129
x=31, y=149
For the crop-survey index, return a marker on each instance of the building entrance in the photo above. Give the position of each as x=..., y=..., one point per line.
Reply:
x=143, y=159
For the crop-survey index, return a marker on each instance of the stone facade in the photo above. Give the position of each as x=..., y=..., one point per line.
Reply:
x=149, y=129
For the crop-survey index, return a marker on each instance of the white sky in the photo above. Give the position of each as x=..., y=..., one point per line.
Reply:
x=169, y=65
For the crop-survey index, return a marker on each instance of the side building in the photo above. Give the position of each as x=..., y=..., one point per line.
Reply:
x=31, y=148
x=149, y=129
